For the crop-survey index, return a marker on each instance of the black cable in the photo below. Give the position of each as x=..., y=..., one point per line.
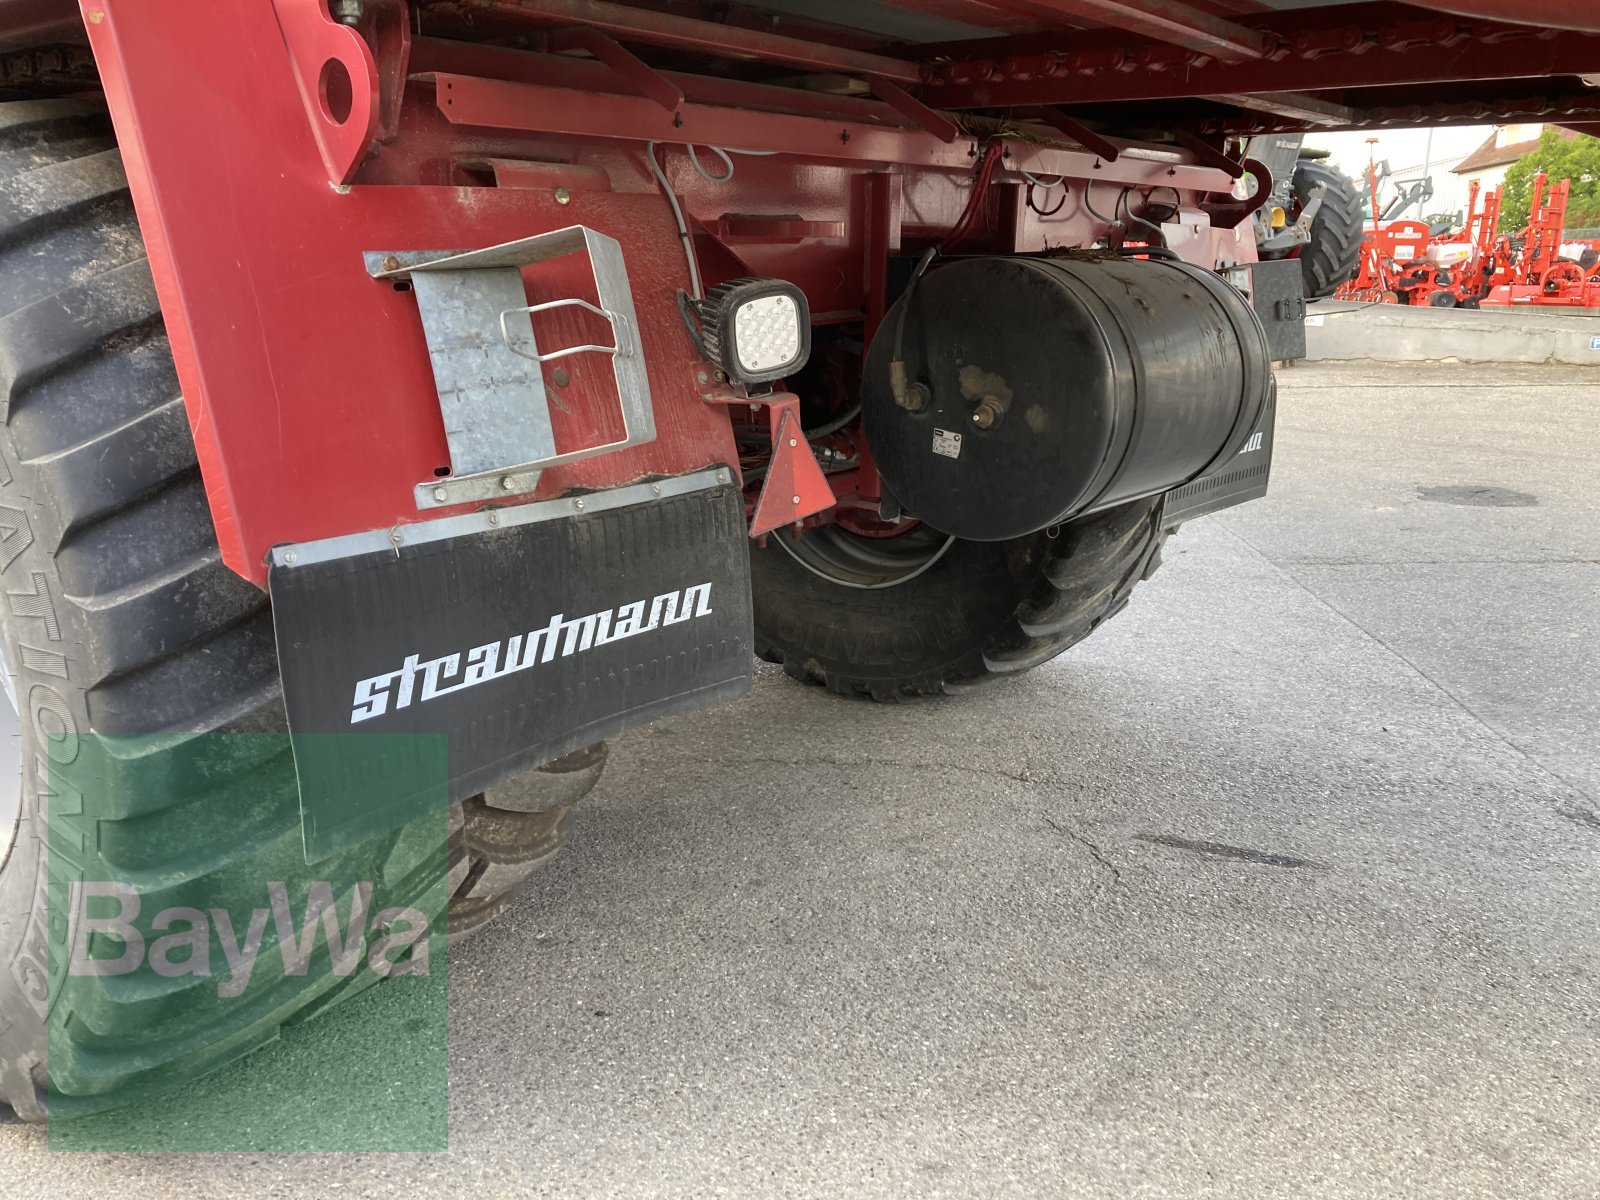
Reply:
x=1124, y=206
x=905, y=305
x=1088, y=201
x=1150, y=252
x=834, y=425
x=1172, y=209
x=1047, y=212
x=898, y=359
x=692, y=324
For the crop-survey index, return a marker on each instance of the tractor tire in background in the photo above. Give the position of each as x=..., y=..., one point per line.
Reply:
x=145, y=670
x=920, y=613
x=1333, y=256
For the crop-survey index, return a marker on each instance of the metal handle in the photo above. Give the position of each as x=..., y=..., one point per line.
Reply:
x=622, y=346
x=496, y=413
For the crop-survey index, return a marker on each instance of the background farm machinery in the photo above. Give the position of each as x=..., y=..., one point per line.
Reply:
x=1548, y=268
x=1408, y=261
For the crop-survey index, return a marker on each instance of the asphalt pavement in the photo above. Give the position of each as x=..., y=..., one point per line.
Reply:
x=1282, y=885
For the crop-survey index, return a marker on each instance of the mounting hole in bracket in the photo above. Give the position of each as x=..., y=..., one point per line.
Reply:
x=336, y=91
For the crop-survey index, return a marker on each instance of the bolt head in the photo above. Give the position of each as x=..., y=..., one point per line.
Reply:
x=793, y=443
x=441, y=493
x=391, y=263
x=494, y=518
x=563, y=196
x=795, y=501
x=722, y=476
x=703, y=377
x=290, y=558
x=507, y=483
x=578, y=504
x=655, y=489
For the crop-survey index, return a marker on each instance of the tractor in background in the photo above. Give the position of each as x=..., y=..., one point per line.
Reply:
x=1314, y=214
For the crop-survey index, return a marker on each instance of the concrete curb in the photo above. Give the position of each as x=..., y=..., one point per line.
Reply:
x=1398, y=333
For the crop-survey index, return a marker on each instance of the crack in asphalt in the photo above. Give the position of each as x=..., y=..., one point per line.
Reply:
x=1094, y=850
x=1024, y=775
x=1580, y=816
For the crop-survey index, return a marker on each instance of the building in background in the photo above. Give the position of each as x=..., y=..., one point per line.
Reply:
x=1488, y=164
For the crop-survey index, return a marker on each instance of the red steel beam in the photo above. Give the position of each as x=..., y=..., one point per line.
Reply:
x=1078, y=132
x=638, y=75
x=697, y=37
x=1232, y=8
x=980, y=14
x=536, y=108
x=441, y=56
x=1310, y=109
x=1165, y=21
x=1571, y=112
x=1552, y=14
x=915, y=111
x=25, y=23
x=1525, y=56
x=1209, y=155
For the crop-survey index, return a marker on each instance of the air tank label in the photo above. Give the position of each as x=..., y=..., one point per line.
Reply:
x=947, y=443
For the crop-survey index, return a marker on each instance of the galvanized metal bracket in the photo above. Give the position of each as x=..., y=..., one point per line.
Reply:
x=479, y=328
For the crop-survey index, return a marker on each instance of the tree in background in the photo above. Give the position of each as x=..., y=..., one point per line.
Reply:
x=1575, y=158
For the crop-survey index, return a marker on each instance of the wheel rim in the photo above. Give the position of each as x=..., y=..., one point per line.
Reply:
x=10, y=762
x=865, y=562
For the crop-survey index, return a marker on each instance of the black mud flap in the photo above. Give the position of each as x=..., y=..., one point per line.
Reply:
x=422, y=665
x=1233, y=481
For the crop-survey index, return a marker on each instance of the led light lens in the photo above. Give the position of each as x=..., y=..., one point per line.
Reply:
x=766, y=335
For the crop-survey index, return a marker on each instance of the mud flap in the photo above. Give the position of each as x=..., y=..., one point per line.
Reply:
x=1233, y=481
x=496, y=641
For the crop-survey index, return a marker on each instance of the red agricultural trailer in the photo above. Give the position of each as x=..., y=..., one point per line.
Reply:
x=455, y=384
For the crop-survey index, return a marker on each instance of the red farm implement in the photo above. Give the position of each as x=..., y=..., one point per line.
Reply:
x=403, y=397
x=1406, y=262
x=1549, y=270
x=1391, y=252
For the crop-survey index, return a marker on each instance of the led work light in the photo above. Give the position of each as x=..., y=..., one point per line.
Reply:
x=756, y=330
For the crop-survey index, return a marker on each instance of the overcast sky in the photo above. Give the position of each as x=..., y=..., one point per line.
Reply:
x=1402, y=147
x=1406, y=150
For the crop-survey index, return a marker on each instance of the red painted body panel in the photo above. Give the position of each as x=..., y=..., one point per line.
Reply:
x=308, y=384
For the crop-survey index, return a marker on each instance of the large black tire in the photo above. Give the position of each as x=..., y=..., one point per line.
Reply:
x=983, y=611
x=1333, y=256
x=132, y=647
